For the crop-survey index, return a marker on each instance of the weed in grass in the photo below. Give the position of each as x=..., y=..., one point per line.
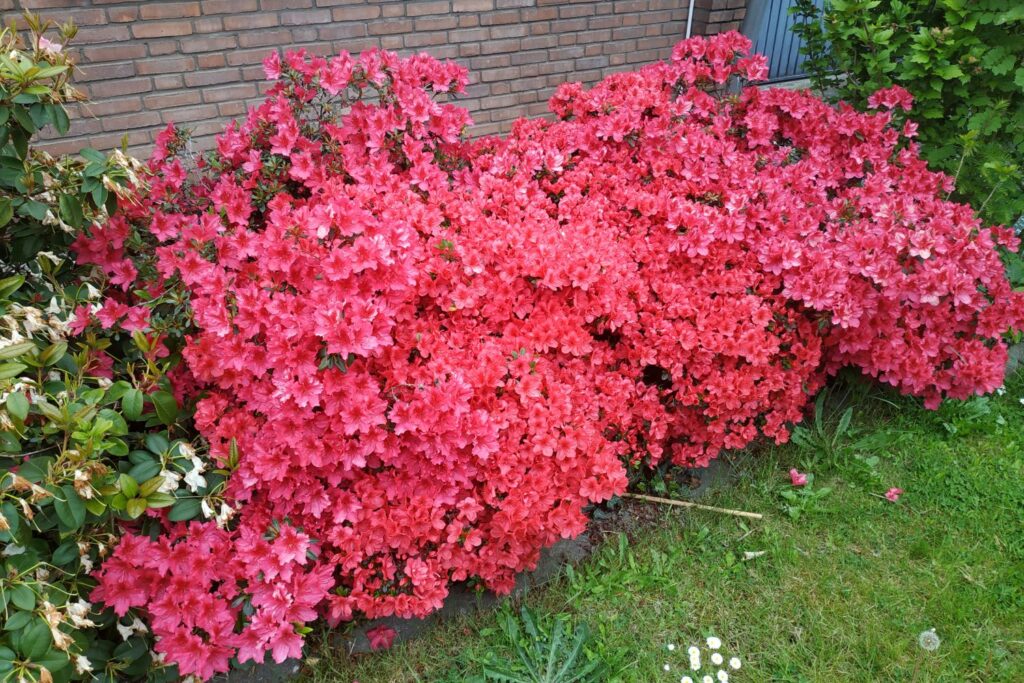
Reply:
x=544, y=652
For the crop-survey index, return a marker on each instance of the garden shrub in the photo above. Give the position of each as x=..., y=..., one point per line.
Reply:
x=963, y=61
x=421, y=358
x=84, y=411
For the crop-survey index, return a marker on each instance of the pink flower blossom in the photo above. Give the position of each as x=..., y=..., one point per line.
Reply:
x=893, y=494
x=797, y=478
x=381, y=637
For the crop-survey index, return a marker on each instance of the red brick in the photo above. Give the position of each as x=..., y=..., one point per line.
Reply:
x=212, y=60
x=123, y=14
x=304, y=17
x=188, y=114
x=91, y=35
x=164, y=66
x=229, y=92
x=389, y=26
x=265, y=38
x=172, y=99
x=356, y=13
x=113, y=53
x=101, y=72
x=168, y=10
x=108, y=106
x=125, y=86
x=200, y=79
x=472, y=5
x=336, y=31
x=229, y=6
x=209, y=43
x=161, y=29
x=141, y=119
x=246, y=22
x=418, y=9
x=436, y=23
x=271, y=5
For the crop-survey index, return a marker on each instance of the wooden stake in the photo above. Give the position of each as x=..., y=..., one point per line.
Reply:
x=688, y=504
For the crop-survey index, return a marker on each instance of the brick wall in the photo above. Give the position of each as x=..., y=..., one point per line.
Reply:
x=198, y=63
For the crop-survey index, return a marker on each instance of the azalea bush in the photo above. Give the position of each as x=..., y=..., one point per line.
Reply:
x=963, y=60
x=419, y=358
x=89, y=440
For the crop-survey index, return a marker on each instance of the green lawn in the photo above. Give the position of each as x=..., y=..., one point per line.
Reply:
x=842, y=590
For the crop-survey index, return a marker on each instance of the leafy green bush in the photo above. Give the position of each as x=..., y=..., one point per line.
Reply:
x=963, y=60
x=87, y=424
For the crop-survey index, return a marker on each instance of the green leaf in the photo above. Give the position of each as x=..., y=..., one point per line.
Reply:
x=185, y=509
x=23, y=597
x=9, y=370
x=71, y=210
x=17, y=405
x=92, y=155
x=24, y=119
x=34, y=640
x=131, y=404
x=129, y=487
x=135, y=507
x=6, y=211
x=157, y=443
x=166, y=406
x=53, y=353
x=160, y=500
x=70, y=509
x=949, y=71
x=18, y=621
x=8, y=286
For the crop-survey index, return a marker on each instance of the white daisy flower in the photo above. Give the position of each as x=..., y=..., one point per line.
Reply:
x=714, y=643
x=716, y=659
x=671, y=647
x=735, y=663
x=685, y=679
x=723, y=675
x=667, y=667
x=708, y=679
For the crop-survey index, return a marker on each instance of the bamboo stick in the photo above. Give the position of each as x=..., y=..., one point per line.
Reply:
x=688, y=504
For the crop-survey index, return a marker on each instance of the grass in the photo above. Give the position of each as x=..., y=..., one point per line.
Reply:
x=846, y=582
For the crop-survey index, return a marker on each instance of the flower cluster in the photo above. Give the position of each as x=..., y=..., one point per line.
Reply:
x=425, y=356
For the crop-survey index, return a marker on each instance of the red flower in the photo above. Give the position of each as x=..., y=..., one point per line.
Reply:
x=380, y=637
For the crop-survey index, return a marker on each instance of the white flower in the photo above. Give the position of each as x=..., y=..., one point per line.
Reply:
x=82, y=664
x=735, y=663
x=671, y=647
x=708, y=679
x=693, y=651
x=1000, y=391
x=194, y=478
x=207, y=509
x=695, y=661
x=716, y=659
x=171, y=480
x=187, y=451
x=928, y=640
x=135, y=628
x=225, y=515
x=723, y=675
x=1021, y=401
x=685, y=679
x=714, y=643
x=667, y=667
x=78, y=613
